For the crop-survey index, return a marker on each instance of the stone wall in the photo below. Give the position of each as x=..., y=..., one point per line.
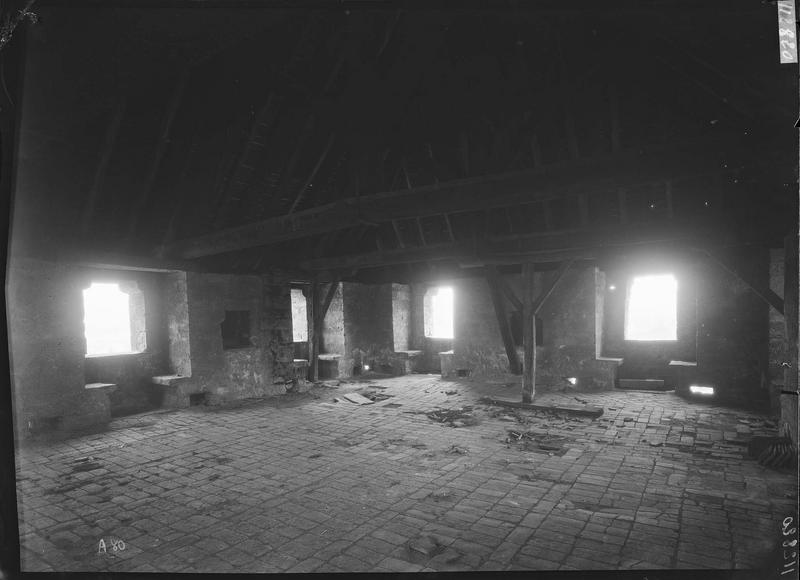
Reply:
x=733, y=331
x=132, y=373
x=722, y=325
x=401, y=316
x=248, y=371
x=275, y=326
x=176, y=305
x=48, y=348
x=183, y=313
x=332, y=340
x=646, y=357
x=368, y=325
x=430, y=347
x=567, y=323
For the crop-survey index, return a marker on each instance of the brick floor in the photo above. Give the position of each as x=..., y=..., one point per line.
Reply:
x=306, y=484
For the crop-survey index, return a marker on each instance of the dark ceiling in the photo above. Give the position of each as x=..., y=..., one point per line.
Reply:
x=498, y=132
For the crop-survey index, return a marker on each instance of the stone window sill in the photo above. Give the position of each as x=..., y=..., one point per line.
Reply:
x=116, y=354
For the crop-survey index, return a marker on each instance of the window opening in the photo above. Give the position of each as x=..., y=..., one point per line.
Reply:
x=651, y=312
x=439, y=312
x=299, y=316
x=107, y=320
x=236, y=329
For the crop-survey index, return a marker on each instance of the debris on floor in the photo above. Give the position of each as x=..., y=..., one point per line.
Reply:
x=774, y=452
x=357, y=399
x=456, y=450
x=329, y=384
x=427, y=546
x=376, y=397
x=300, y=386
x=585, y=410
x=450, y=392
x=461, y=417
x=441, y=494
x=532, y=441
x=510, y=415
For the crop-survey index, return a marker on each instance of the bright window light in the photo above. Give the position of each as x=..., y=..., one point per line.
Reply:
x=442, y=311
x=652, y=309
x=299, y=317
x=695, y=390
x=107, y=320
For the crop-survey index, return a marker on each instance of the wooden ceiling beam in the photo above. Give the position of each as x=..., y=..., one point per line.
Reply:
x=549, y=247
x=141, y=202
x=549, y=182
x=102, y=165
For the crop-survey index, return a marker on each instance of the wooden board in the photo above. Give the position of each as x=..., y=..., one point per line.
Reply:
x=585, y=410
x=357, y=399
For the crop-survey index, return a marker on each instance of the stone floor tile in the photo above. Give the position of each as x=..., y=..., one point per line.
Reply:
x=225, y=490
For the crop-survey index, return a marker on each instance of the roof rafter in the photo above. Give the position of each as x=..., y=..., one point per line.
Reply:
x=475, y=194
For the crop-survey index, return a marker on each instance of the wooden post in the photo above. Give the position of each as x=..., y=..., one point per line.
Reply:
x=790, y=311
x=397, y=233
x=528, y=335
x=788, y=399
x=449, y=228
x=492, y=276
x=313, y=335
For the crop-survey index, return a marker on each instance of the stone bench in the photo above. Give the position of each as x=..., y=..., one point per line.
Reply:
x=173, y=395
x=406, y=361
x=684, y=372
x=447, y=362
x=299, y=369
x=99, y=400
x=331, y=365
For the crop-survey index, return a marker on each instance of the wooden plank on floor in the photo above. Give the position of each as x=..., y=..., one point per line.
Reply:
x=583, y=410
x=528, y=335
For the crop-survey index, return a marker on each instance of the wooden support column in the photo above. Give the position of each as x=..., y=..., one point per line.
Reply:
x=317, y=311
x=326, y=303
x=313, y=335
x=760, y=289
x=790, y=311
x=449, y=228
x=492, y=277
x=421, y=232
x=539, y=302
x=528, y=335
x=509, y=293
x=397, y=233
